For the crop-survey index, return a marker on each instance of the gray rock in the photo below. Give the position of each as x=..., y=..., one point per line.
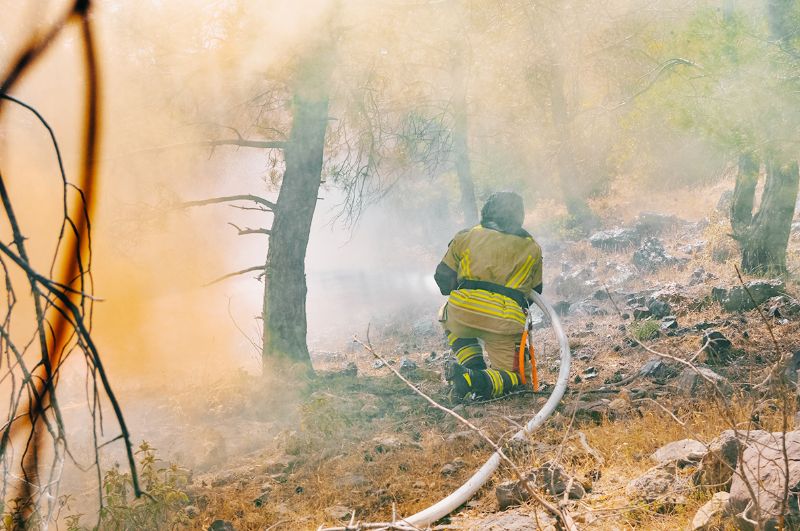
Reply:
x=448, y=469
x=377, y=364
x=660, y=485
x=782, y=306
x=716, y=346
x=553, y=479
x=669, y=322
x=683, y=453
x=652, y=256
x=339, y=512
x=659, y=308
x=763, y=467
x=221, y=525
x=792, y=367
x=407, y=366
x=654, y=368
x=737, y=299
x=562, y=307
x=717, y=466
x=702, y=382
x=642, y=312
x=710, y=517
x=615, y=239
x=575, y=284
x=700, y=276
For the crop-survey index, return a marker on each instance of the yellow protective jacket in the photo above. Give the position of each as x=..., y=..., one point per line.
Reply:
x=487, y=274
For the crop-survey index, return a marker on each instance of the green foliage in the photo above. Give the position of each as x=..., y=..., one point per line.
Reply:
x=161, y=507
x=645, y=330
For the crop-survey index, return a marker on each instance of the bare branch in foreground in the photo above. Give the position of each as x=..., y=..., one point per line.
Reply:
x=560, y=514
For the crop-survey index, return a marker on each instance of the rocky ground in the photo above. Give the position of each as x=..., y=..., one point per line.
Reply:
x=673, y=418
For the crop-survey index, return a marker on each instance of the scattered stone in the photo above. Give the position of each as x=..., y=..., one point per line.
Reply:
x=763, y=464
x=590, y=372
x=595, y=411
x=660, y=485
x=716, y=346
x=700, y=276
x=339, y=512
x=654, y=368
x=782, y=306
x=652, y=256
x=575, y=284
x=553, y=478
x=717, y=466
x=694, y=247
x=615, y=239
x=221, y=525
x=377, y=364
x=451, y=468
x=659, y=308
x=690, y=383
x=683, y=453
x=737, y=298
x=587, y=308
x=669, y=322
x=792, y=368
x=711, y=515
x=562, y=307
x=407, y=366
x=642, y=312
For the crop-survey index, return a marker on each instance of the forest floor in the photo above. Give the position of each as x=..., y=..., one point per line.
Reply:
x=280, y=453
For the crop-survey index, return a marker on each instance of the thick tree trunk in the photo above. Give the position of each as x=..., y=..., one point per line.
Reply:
x=763, y=237
x=461, y=142
x=284, y=310
x=571, y=188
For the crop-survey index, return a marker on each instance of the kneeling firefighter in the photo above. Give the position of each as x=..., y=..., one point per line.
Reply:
x=487, y=272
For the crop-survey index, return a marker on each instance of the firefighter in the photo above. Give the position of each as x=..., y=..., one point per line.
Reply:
x=487, y=272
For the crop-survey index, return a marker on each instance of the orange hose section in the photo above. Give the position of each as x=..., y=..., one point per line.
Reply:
x=521, y=358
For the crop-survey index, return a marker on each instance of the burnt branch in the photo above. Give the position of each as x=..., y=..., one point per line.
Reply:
x=248, y=230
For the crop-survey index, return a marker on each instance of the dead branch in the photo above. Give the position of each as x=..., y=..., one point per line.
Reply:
x=248, y=230
x=229, y=198
x=235, y=273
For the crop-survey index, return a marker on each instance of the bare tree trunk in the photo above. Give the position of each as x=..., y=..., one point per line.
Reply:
x=763, y=237
x=461, y=141
x=284, y=310
x=572, y=190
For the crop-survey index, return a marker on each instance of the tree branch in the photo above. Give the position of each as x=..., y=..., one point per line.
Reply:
x=248, y=230
x=236, y=273
x=228, y=198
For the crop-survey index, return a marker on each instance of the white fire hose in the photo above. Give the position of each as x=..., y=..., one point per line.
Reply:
x=468, y=489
